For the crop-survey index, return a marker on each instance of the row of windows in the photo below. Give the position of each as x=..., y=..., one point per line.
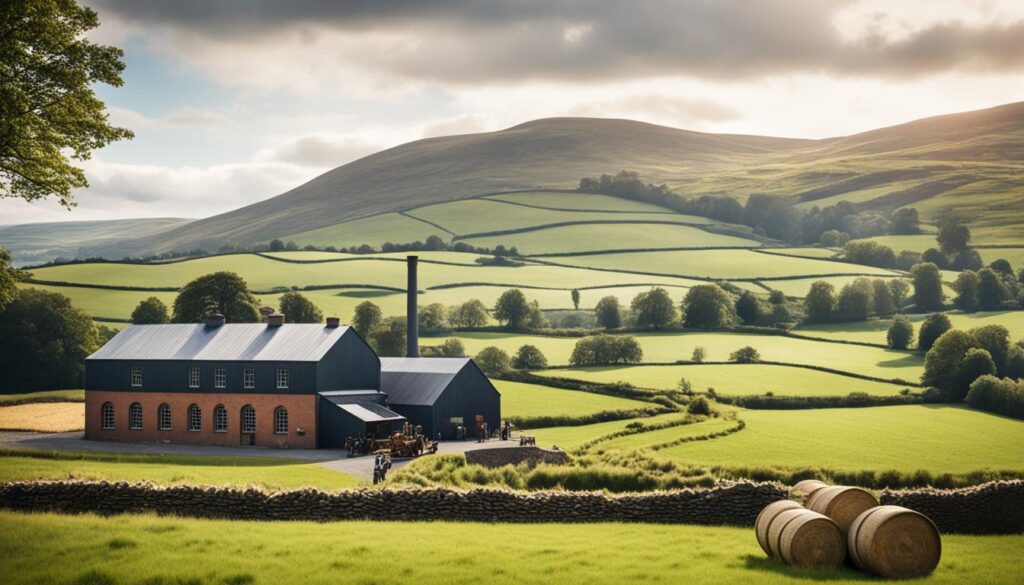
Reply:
x=194, y=418
x=220, y=378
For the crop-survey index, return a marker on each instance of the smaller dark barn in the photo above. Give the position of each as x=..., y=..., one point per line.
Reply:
x=440, y=393
x=354, y=413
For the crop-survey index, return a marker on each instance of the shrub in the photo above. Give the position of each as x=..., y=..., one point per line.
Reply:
x=870, y=253
x=1001, y=396
x=452, y=347
x=468, y=315
x=745, y=355
x=699, y=406
x=900, y=333
x=932, y=328
x=606, y=349
x=529, y=357
x=698, y=355
x=493, y=361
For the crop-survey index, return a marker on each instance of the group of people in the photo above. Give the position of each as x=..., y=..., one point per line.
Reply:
x=381, y=465
x=484, y=432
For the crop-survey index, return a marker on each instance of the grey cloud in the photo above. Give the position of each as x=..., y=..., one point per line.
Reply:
x=322, y=151
x=484, y=41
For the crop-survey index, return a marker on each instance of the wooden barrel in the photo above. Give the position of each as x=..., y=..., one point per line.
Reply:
x=767, y=516
x=803, y=538
x=803, y=489
x=842, y=504
x=894, y=542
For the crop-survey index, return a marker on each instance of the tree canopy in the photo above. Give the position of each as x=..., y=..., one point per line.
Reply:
x=222, y=292
x=513, y=309
x=608, y=312
x=9, y=276
x=151, y=311
x=820, y=302
x=49, y=112
x=654, y=308
x=366, y=318
x=928, y=295
x=298, y=309
x=708, y=306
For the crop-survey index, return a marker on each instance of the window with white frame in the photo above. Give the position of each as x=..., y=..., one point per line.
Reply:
x=107, y=416
x=135, y=416
x=220, y=419
x=281, y=421
x=220, y=378
x=282, y=377
x=193, y=377
x=248, y=419
x=195, y=418
x=136, y=376
x=163, y=417
x=248, y=378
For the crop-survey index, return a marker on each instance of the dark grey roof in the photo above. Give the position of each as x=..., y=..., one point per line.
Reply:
x=291, y=342
x=364, y=408
x=417, y=381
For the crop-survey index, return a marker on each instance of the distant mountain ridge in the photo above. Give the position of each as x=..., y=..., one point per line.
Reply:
x=557, y=152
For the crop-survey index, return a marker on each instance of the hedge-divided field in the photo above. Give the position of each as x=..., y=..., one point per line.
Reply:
x=147, y=549
x=522, y=400
x=874, y=331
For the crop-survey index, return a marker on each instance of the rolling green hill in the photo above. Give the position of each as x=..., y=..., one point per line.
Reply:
x=36, y=243
x=969, y=162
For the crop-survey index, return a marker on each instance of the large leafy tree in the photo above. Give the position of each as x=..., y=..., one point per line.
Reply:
x=49, y=113
x=820, y=302
x=389, y=338
x=151, y=311
x=298, y=309
x=608, y=312
x=708, y=305
x=654, y=308
x=8, y=277
x=928, y=295
x=43, y=343
x=367, y=317
x=221, y=292
x=513, y=308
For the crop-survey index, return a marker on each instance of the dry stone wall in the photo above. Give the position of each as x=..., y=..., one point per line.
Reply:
x=991, y=508
x=501, y=456
x=735, y=503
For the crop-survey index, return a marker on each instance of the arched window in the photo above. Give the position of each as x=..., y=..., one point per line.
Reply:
x=195, y=418
x=135, y=416
x=220, y=419
x=281, y=421
x=107, y=416
x=248, y=419
x=163, y=417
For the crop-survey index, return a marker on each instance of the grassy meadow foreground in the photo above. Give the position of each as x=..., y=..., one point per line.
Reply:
x=146, y=549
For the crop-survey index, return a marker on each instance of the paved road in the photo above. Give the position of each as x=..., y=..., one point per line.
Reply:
x=337, y=460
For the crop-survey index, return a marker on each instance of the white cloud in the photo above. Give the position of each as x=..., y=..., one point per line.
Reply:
x=323, y=150
x=463, y=124
x=188, y=116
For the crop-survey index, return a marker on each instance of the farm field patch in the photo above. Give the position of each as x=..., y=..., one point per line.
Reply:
x=374, y=231
x=806, y=252
x=267, y=472
x=874, y=331
x=799, y=287
x=724, y=264
x=529, y=400
x=569, y=201
x=106, y=303
x=43, y=396
x=650, y=439
x=732, y=379
x=135, y=549
x=51, y=417
x=674, y=346
x=569, y=438
x=619, y=236
x=935, y=438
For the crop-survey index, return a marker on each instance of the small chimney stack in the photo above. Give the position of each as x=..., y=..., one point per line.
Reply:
x=214, y=320
x=333, y=322
x=275, y=320
x=412, y=311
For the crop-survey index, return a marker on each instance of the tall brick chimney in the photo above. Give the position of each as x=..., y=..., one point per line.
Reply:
x=412, y=312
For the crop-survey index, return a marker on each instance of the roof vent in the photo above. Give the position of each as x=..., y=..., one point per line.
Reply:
x=214, y=320
x=333, y=322
x=266, y=311
x=275, y=320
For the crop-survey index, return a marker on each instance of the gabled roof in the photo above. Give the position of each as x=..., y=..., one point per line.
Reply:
x=250, y=342
x=418, y=381
x=362, y=404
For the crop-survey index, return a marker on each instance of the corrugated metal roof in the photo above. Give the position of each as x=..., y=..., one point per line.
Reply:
x=291, y=342
x=417, y=381
x=368, y=411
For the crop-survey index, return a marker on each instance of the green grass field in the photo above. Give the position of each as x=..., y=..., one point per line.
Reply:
x=724, y=264
x=584, y=201
x=570, y=438
x=935, y=438
x=529, y=400
x=732, y=379
x=674, y=346
x=375, y=231
x=617, y=236
x=659, y=437
x=88, y=549
x=45, y=396
x=874, y=331
x=273, y=473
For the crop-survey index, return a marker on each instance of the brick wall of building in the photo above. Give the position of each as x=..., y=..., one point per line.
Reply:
x=301, y=418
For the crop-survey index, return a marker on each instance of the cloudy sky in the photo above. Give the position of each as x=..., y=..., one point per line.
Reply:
x=234, y=101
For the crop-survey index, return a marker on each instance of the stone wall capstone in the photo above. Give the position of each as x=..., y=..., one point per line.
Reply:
x=732, y=503
x=996, y=507
x=501, y=456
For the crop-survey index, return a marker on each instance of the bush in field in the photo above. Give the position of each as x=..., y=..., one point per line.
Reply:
x=745, y=355
x=654, y=308
x=699, y=406
x=820, y=302
x=222, y=292
x=298, y=309
x=367, y=317
x=900, y=333
x=684, y=386
x=513, y=309
x=748, y=308
x=1015, y=362
x=606, y=349
x=708, y=306
x=932, y=328
x=870, y=253
x=468, y=315
x=452, y=347
x=954, y=362
x=151, y=311
x=833, y=238
x=966, y=287
x=493, y=361
x=928, y=295
x=608, y=312
x=529, y=357
x=699, y=354
x=1001, y=396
